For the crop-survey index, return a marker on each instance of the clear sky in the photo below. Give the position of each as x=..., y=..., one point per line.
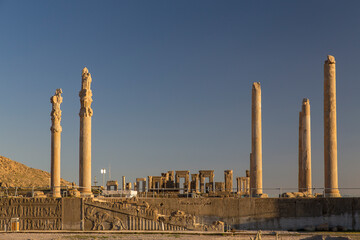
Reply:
x=172, y=83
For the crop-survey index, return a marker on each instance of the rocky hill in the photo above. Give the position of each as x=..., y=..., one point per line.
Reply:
x=15, y=174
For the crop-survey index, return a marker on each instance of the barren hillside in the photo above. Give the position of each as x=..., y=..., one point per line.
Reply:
x=15, y=174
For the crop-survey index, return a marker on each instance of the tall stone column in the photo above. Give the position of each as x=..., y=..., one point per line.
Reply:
x=55, y=129
x=228, y=180
x=85, y=134
x=144, y=185
x=123, y=183
x=150, y=183
x=202, y=182
x=256, y=143
x=330, y=132
x=306, y=147
x=300, y=176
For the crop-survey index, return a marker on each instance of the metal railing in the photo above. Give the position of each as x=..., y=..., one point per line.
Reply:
x=277, y=192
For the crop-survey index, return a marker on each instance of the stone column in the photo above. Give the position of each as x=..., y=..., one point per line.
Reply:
x=306, y=147
x=144, y=185
x=177, y=181
x=228, y=180
x=150, y=183
x=330, y=132
x=55, y=129
x=256, y=143
x=85, y=134
x=123, y=183
x=238, y=185
x=247, y=183
x=211, y=182
x=202, y=181
x=300, y=175
x=195, y=182
x=187, y=182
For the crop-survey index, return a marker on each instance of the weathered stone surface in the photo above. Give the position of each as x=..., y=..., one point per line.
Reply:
x=256, y=142
x=206, y=174
x=135, y=214
x=85, y=134
x=228, y=176
x=74, y=193
x=38, y=213
x=72, y=213
x=186, y=176
x=56, y=129
x=330, y=129
x=305, y=161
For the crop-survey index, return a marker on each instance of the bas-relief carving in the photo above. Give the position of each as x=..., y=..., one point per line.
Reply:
x=85, y=94
x=102, y=220
x=34, y=214
x=138, y=215
x=46, y=214
x=56, y=100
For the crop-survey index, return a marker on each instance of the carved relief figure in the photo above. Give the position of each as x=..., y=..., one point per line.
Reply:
x=56, y=100
x=86, y=94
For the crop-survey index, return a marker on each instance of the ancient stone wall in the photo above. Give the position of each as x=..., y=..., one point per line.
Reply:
x=271, y=213
x=33, y=213
x=179, y=214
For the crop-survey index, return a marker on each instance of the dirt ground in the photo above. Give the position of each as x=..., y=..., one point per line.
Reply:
x=177, y=236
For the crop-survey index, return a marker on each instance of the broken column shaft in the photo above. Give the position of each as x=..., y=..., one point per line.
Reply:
x=330, y=132
x=306, y=147
x=256, y=143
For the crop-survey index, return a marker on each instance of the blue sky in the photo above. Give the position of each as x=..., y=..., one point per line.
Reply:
x=172, y=83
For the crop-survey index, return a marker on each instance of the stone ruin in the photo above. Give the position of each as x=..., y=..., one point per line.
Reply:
x=199, y=183
x=252, y=184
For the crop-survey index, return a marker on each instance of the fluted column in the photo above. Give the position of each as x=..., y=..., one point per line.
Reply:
x=330, y=132
x=300, y=176
x=55, y=129
x=256, y=143
x=85, y=134
x=306, y=147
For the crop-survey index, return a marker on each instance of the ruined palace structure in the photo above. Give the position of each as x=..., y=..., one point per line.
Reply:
x=305, y=148
x=55, y=129
x=330, y=132
x=85, y=114
x=202, y=182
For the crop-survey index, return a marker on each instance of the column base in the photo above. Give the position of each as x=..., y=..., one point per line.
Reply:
x=56, y=195
x=335, y=194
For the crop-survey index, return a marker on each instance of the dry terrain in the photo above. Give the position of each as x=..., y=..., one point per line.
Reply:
x=15, y=174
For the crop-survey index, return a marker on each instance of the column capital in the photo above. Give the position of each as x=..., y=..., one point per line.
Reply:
x=56, y=100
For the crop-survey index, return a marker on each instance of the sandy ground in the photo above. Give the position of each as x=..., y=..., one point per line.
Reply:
x=242, y=236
